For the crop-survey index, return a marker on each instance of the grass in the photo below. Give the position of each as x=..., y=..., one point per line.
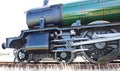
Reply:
x=62, y=67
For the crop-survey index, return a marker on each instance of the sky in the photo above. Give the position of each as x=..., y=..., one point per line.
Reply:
x=13, y=15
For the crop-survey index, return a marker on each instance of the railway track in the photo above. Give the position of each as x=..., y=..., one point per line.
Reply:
x=54, y=66
x=55, y=63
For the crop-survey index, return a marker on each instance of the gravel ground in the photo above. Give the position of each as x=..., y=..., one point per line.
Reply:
x=62, y=67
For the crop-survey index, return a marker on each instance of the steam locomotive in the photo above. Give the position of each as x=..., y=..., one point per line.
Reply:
x=87, y=28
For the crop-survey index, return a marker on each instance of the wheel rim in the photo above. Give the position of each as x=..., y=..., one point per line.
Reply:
x=64, y=57
x=22, y=56
x=104, y=52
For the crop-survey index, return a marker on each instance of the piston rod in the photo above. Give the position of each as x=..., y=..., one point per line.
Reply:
x=99, y=39
x=108, y=35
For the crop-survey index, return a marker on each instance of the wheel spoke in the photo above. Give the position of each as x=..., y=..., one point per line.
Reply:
x=99, y=53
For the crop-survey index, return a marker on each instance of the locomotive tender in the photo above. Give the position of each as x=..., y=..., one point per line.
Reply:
x=88, y=28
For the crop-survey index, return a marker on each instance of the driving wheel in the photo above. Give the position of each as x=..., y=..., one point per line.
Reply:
x=103, y=52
